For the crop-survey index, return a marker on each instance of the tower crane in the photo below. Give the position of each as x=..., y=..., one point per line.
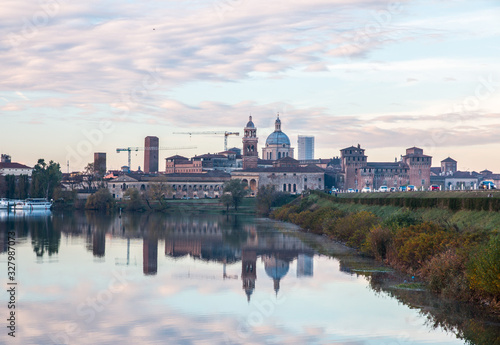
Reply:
x=130, y=149
x=226, y=134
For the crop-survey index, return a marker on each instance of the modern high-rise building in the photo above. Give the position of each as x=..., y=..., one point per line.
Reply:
x=151, y=146
x=100, y=163
x=306, y=147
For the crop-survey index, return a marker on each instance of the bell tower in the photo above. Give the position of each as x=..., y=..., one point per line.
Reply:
x=250, y=140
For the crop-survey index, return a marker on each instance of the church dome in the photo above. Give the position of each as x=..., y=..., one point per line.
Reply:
x=275, y=268
x=277, y=138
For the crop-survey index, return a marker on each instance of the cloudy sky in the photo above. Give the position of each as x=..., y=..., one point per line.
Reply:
x=84, y=77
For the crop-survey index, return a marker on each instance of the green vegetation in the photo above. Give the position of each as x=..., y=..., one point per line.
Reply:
x=237, y=191
x=45, y=179
x=268, y=198
x=450, y=251
x=102, y=200
x=452, y=200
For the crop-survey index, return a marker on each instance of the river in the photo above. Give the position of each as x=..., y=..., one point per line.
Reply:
x=89, y=278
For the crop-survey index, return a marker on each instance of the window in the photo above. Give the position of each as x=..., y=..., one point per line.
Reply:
x=284, y=187
x=305, y=179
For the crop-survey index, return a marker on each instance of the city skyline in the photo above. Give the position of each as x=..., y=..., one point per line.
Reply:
x=94, y=77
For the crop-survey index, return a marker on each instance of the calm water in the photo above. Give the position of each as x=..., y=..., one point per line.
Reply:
x=85, y=278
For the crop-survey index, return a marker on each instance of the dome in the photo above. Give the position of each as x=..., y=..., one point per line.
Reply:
x=275, y=268
x=250, y=123
x=277, y=138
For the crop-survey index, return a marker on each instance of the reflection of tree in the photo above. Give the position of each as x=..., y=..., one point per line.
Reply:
x=468, y=322
x=44, y=238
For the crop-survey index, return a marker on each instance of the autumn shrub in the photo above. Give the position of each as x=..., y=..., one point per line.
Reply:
x=415, y=244
x=353, y=228
x=445, y=273
x=378, y=242
x=484, y=268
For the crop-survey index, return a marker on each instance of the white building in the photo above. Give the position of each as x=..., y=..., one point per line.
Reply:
x=305, y=146
x=9, y=168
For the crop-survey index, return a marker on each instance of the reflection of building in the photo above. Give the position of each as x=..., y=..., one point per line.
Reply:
x=99, y=243
x=305, y=146
x=277, y=144
x=304, y=265
x=248, y=271
x=151, y=146
x=276, y=269
x=150, y=255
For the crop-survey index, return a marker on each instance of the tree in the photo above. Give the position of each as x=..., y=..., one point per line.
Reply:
x=134, y=201
x=237, y=189
x=101, y=200
x=268, y=197
x=3, y=186
x=91, y=177
x=10, y=182
x=157, y=192
x=45, y=178
x=227, y=200
x=23, y=187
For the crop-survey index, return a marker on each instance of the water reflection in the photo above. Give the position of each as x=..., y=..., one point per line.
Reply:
x=180, y=252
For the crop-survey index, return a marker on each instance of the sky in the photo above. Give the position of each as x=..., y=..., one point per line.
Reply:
x=93, y=76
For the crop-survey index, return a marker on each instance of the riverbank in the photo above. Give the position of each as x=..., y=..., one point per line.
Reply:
x=454, y=253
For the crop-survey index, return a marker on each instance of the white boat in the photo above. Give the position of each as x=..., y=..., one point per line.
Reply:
x=34, y=204
x=7, y=203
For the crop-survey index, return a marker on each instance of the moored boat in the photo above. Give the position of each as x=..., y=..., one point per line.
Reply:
x=7, y=203
x=34, y=204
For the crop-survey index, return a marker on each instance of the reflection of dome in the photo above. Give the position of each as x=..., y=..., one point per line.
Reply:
x=277, y=138
x=276, y=268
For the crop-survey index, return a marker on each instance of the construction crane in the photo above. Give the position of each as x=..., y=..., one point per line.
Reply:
x=130, y=149
x=226, y=134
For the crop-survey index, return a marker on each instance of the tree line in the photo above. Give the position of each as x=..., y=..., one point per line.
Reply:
x=43, y=183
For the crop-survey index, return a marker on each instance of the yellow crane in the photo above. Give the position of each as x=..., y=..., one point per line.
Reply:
x=226, y=134
x=130, y=149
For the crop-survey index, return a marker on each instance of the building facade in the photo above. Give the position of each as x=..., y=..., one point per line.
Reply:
x=187, y=185
x=448, y=165
x=305, y=146
x=183, y=165
x=151, y=147
x=286, y=175
x=356, y=172
x=7, y=167
x=100, y=163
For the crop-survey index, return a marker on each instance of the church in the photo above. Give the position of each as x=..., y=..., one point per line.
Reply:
x=285, y=174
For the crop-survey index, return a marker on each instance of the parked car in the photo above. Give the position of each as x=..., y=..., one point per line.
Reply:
x=350, y=190
x=383, y=189
x=393, y=189
x=434, y=187
x=402, y=188
x=366, y=190
x=410, y=188
x=487, y=185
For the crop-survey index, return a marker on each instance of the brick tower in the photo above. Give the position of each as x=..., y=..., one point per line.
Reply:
x=250, y=140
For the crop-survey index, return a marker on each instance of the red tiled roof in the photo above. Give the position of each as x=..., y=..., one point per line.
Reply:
x=13, y=166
